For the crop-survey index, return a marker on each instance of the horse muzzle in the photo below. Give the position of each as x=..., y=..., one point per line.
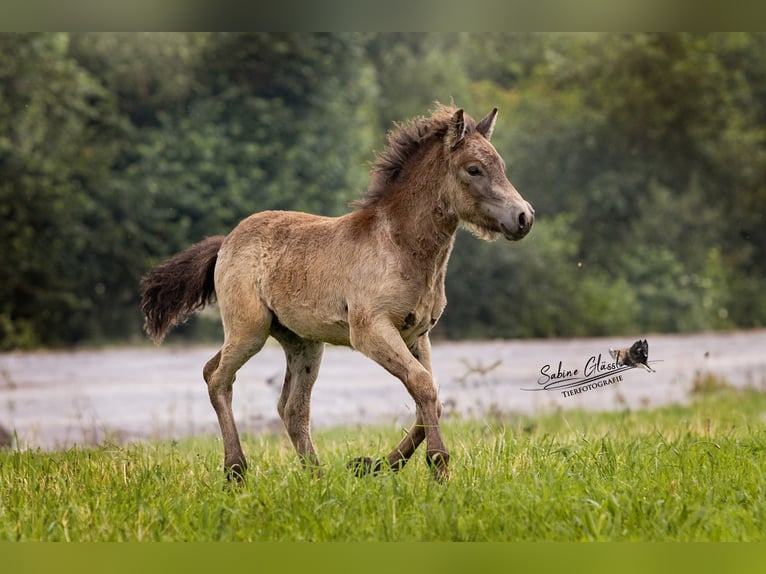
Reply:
x=519, y=223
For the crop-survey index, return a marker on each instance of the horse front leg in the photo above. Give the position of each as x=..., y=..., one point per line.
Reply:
x=379, y=340
x=399, y=457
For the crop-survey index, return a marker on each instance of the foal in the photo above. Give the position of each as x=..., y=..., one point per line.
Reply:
x=372, y=279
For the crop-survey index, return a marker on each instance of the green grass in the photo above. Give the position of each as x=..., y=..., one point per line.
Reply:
x=681, y=473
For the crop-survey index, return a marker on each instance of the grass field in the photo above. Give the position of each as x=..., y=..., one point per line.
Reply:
x=681, y=473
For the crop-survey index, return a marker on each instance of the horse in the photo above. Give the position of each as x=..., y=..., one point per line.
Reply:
x=372, y=279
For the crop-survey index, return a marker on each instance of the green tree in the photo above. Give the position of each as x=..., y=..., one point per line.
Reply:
x=414, y=70
x=58, y=134
x=643, y=154
x=276, y=122
x=536, y=288
x=655, y=143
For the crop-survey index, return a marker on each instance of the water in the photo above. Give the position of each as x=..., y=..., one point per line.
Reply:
x=58, y=399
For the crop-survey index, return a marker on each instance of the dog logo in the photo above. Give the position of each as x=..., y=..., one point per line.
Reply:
x=637, y=355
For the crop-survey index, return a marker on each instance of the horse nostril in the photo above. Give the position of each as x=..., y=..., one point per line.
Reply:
x=522, y=221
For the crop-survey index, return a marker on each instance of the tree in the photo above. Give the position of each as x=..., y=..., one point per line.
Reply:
x=273, y=125
x=653, y=142
x=58, y=137
x=643, y=154
x=414, y=70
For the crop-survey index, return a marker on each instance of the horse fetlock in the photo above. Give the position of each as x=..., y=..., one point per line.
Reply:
x=312, y=466
x=308, y=456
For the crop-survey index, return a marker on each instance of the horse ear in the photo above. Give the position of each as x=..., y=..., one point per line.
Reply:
x=486, y=126
x=455, y=130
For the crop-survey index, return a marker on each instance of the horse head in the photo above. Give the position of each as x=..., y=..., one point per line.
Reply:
x=485, y=200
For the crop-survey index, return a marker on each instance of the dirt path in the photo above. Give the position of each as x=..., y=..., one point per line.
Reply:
x=56, y=399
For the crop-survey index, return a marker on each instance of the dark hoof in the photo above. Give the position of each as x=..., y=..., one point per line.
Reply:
x=364, y=465
x=439, y=464
x=235, y=473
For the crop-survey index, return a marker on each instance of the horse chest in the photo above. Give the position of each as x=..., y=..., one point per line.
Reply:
x=423, y=316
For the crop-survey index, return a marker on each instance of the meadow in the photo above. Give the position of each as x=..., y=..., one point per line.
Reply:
x=679, y=473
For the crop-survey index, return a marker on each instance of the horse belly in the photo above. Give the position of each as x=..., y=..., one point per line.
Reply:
x=313, y=322
x=335, y=333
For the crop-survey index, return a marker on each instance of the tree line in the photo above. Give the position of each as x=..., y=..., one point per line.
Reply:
x=643, y=154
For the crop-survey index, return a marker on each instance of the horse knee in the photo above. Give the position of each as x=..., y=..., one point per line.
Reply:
x=423, y=390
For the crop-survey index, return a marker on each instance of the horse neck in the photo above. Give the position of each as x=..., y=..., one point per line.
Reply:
x=419, y=216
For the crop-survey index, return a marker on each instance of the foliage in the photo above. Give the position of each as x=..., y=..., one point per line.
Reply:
x=539, y=289
x=643, y=154
x=60, y=247
x=680, y=473
x=655, y=144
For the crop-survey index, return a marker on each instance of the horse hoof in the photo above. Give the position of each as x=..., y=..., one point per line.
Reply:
x=439, y=464
x=235, y=473
x=364, y=465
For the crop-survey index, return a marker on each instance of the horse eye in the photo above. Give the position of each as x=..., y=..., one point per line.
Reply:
x=473, y=170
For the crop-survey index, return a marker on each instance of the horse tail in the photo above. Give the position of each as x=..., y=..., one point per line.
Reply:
x=175, y=289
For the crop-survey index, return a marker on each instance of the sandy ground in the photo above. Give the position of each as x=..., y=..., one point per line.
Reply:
x=58, y=399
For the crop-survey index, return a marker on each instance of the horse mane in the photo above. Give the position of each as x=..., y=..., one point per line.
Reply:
x=402, y=143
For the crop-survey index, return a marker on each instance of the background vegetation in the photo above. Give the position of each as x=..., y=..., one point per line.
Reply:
x=643, y=154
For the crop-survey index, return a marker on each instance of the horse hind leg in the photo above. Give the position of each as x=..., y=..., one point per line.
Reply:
x=241, y=342
x=303, y=359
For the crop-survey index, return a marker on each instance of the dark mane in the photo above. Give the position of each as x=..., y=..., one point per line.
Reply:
x=402, y=143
